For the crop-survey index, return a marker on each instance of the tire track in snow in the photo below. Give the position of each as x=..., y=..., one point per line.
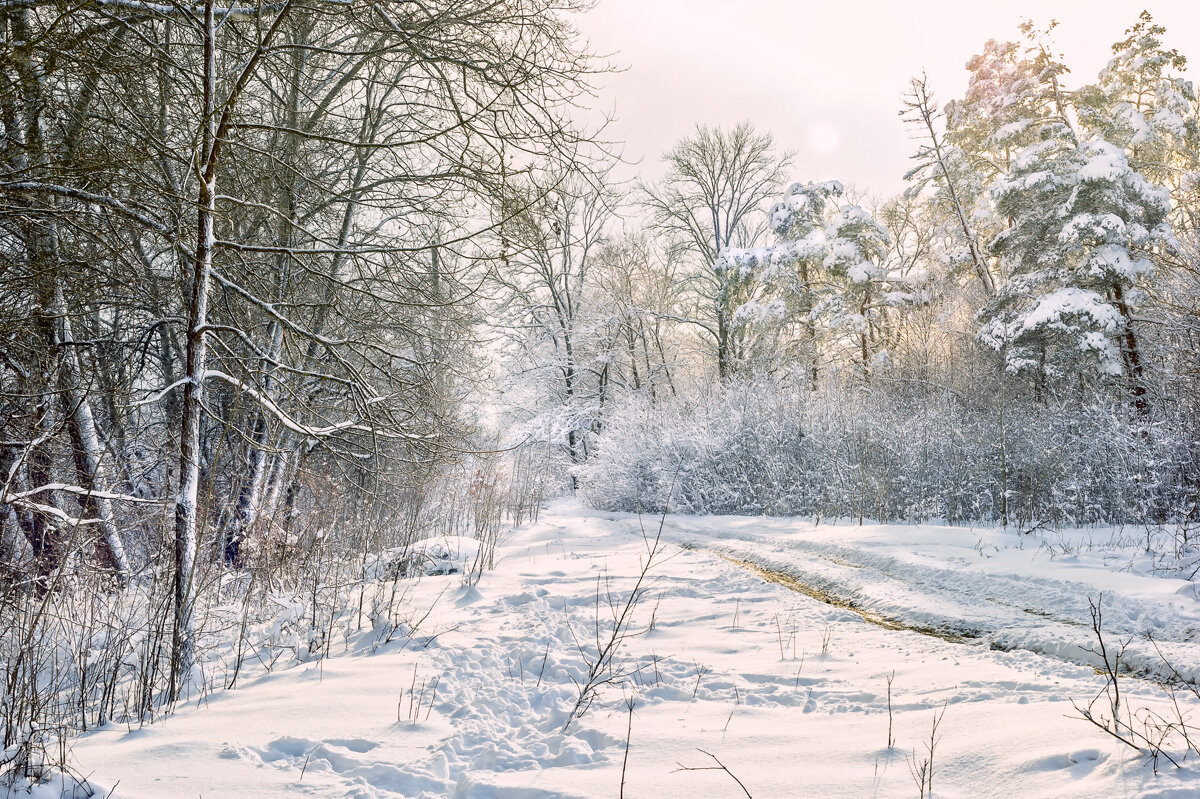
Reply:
x=886, y=622
x=1045, y=616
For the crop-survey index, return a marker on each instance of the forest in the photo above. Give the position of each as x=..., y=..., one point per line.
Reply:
x=290, y=286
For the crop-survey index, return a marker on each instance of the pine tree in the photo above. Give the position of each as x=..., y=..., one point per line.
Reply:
x=787, y=278
x=1003, y=101
x=857, y=248
x=1013, y=91
x=1140, y=103
x=1085, y=228
x=824, y=279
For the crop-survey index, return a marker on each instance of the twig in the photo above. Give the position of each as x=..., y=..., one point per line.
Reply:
x=719, y=767
x=629, y=703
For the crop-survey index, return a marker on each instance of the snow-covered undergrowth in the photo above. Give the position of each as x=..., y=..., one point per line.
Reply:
x=87, y=656
x=845, y=451
x=796, y=697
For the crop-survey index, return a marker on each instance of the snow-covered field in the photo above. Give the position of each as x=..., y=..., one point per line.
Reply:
x=788, y=692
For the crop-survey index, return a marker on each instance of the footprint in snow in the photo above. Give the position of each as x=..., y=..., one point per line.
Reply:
x=1082, y=761
x=353, y=744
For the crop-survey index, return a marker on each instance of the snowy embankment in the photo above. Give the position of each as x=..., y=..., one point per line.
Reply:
x=791, y=694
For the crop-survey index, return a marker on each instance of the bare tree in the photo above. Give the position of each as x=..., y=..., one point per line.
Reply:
x=716, y=182
x=637, y=281
x=546, y=285
x=268, y=266
x=940, y=165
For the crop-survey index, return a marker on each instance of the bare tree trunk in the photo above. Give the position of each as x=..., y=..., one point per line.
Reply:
x=922, y=104
x=186, y=512
x=722, y=340
x=651, y=378
x=89, y=452
x=723, y=302
x=250, y=495
x=14, y=549
x=63, y=366
x=19, y=100
x=810, y=327
x=213, y=133
x=280, y=467
x=863, y=342
x=631, y=349
x=45, y=538
x=662, y=354
x=253, y=489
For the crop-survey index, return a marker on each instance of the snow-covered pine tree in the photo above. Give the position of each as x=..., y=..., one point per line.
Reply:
x=858, y=247
x=788, y=285
x=1141, y=103
x=1012, y=92
x=826, y=274
x=1013, y=89
x=992, y=120
x=1085, y=228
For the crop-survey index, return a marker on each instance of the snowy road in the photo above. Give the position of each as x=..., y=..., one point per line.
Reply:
x=1006, y=590
x=789, y=692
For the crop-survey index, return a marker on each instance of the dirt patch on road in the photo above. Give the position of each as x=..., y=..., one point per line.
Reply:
x=794, y=583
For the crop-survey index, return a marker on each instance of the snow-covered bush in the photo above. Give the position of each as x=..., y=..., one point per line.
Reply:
x=762, y=448
x=336, y=577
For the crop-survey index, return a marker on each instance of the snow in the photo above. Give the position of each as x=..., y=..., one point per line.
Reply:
x=788, y=691
x=1104, y=227
x=982, y=583
x=1107, y=163
x=446, y=554
x=1169, y=120
x=861, y=272
x=754, y=311
x=1116, y=260
x=1062, y=309
x=1012, y=130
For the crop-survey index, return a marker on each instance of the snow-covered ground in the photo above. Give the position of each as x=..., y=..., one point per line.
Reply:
x=790, y=693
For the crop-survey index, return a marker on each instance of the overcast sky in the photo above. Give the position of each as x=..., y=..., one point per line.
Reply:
x=826, y=77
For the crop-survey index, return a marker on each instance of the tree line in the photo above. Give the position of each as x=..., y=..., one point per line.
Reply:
x=1037, y=278
x=238, y=249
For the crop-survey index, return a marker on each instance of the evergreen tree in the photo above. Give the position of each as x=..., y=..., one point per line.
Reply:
x=824, y=281
x=858, y=247
x=1140, y=103
x=1085, y=228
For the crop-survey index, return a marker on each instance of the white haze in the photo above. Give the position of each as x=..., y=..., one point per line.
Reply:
x=825, y=78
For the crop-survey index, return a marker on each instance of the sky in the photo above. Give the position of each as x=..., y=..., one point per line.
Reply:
x=826, y=78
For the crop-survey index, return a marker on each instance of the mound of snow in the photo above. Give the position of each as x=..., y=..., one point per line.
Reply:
x=444, y=554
